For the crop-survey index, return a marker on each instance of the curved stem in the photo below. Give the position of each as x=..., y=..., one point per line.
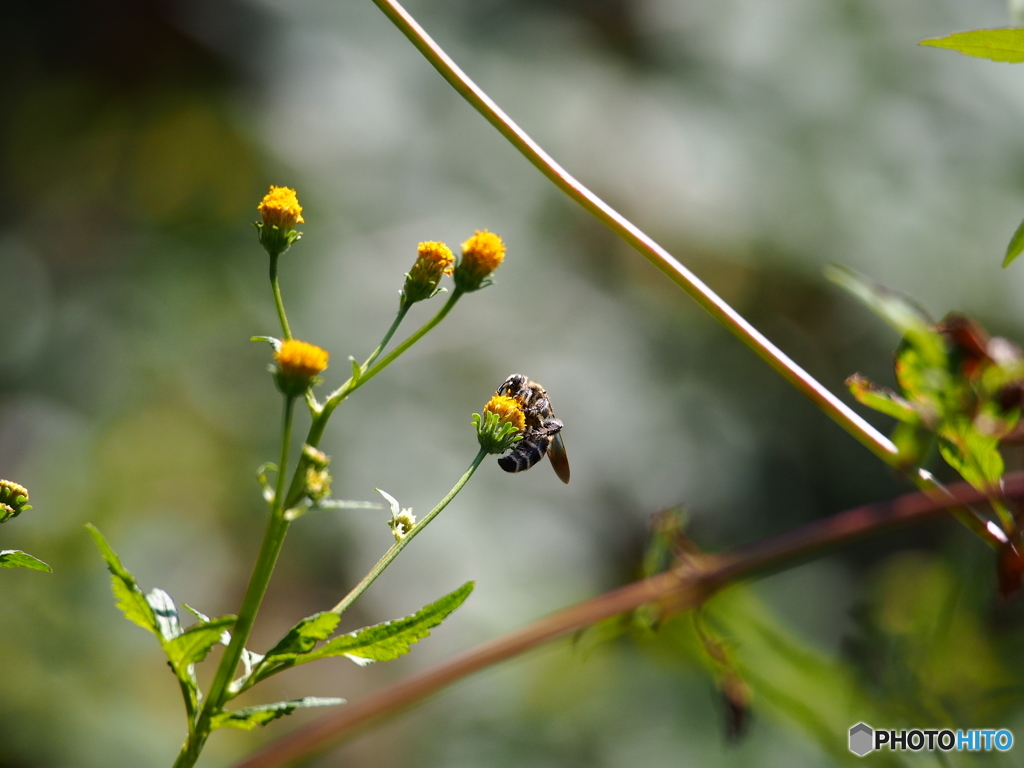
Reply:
x=278, y=301
x=402, y=311
x=401, y=544
x=273, y=540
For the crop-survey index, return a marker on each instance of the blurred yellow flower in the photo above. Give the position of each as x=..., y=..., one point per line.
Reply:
x=280, y=208
x=481, y=255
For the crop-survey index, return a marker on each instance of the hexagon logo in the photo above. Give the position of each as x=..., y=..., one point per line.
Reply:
x=862, y=739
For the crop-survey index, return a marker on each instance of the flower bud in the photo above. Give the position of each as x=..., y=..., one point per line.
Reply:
x=318, y=478
x=13, y=500
x=298, y=366
x=280, y=211
x=434, y=260
x=501, y=425
x=481, y=255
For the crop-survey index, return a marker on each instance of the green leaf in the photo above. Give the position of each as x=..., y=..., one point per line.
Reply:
x=126, y=590
x=357, y=370
x=972, y=453
x=303, y=637
x=248, y=718
x=996, y=44
x=391, y=639
x=1016, y=246
x=192, y=645
x=881, y=399
x=225, y=636
x=15, y=558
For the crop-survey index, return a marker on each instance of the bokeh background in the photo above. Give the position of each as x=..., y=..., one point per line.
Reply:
x=757, y=141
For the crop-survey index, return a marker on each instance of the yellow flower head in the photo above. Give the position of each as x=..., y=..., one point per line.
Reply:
x=481, y=255
x=507, y=409
x=280, y=208
x=501, y=424
x=298, y=365
x=433, y=261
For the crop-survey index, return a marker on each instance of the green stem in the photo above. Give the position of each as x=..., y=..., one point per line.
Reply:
x=401, y=544
x=402, y=311
x=273, y=540
x=316, y=429
x=277, y=298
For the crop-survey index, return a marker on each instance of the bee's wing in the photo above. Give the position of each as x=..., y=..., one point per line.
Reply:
x=559, y=461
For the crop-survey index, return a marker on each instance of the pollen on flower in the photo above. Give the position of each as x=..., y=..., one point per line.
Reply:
x=402, y=523
x=507, y=409
x=481, y=255
x=280, y=208
x=434, y=257
x=297, y=359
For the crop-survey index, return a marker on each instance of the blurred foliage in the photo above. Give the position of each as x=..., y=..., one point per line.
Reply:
x=756, y=141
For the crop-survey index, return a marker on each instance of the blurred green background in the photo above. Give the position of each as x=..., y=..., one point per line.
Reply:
x=757, y=141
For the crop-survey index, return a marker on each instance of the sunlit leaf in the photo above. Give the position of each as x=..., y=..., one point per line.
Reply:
x=15, y=558
x=248, y=718
x=882, y=399
x=391, y=639
x=166, y=613
x=1005, y=45
x=303, y=637
x=972, y=453
x=128, y=596
x=192, y=645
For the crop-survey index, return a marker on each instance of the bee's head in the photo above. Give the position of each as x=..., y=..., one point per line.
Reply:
x=513, y=383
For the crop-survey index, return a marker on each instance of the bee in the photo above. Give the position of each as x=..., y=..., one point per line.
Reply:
x=542, y=432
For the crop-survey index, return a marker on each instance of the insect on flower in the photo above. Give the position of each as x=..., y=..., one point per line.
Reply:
x=542, y=432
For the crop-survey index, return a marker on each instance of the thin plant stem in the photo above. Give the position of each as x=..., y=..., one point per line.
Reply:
x=402, y=543
x=402, y=311
x=277, y=298
x=681, y=589
x=273, y=540
x=647, y=247
x=847, y=418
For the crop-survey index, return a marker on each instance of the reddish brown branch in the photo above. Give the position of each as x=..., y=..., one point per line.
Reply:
x=678, y=590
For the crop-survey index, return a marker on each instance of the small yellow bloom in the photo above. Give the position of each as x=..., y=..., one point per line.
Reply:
x=481, y=255
x=298, y=365
x=280, y=208
x=501, y=425
x=433, y=261
x=507, y=409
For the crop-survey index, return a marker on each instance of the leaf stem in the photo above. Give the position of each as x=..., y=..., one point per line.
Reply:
x=277, y=298
x=273, y=540
x=402, y=543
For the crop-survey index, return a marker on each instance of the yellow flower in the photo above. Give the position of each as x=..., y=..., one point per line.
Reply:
x=501, y=424
x=507, y=409
x=298, y=365
x=280, y=208
x=481, y=255
x=433, y=261
x=280, y=211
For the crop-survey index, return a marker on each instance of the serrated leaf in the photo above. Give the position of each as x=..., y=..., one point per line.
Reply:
x=248, y=718
x=15, y=558
x=391, y=639
x=166, y=613
x=192, y=645
x=881, y=399
x=1015, y=246
x=1006, y=45
x=128, y=596
x=303, y=637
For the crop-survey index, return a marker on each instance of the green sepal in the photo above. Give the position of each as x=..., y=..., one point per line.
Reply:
x=128, y=596
x=1015, y=246
x=15, y=558
x=247, y=719
x=1006, y=45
